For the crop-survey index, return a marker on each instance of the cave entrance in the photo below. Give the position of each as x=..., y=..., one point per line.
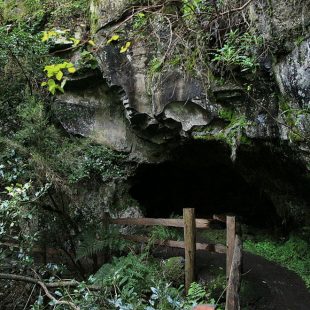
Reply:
x=200, y=176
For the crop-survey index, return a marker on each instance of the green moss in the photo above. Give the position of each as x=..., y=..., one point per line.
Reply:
x=227, y=114
x=231, y=134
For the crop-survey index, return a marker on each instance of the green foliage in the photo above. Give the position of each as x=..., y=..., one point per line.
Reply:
x=34, y=129
x=216, y=286
x=56, y=35
x=155, y=65
x=162, y=296
x=232, y=133
x=12, y=167
x=16, y=214
x=60, y=12
x=95, y=240
x=173, y=270
x=65, y=12
x=196, y=293
x=55, y=75
x=87, y=61
x=294, y=118
x=131, y=273
x=98, y=160
x=13, y=10
x=72, y=158
x=191, y=7
x=163, y=233
x=292, y=254
x=214, y=235
x=139, y=21
x=238, y=50
x=22, y=56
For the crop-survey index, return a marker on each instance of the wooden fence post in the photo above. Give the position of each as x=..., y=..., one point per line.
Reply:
x=230, y=242
x=190, y=245
x=234, y=281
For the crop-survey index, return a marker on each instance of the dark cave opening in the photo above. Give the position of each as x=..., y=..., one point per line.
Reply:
x=202, y=177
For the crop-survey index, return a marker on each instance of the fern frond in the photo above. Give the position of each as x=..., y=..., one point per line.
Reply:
x=95, y=240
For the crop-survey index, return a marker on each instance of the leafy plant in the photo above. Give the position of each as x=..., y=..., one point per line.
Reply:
x=196, y=294
x=87, y=61
x=190, y=7
x=16, y=213
x=134, y=273
x=125, y=47
x=55, y=35
x=173, y=270
x=114, y=38
x=164, y=233
x=98, y=160
x=139, y=20
x=95, y=240
x=238, y=50
x=55, y=75
x=155, y=65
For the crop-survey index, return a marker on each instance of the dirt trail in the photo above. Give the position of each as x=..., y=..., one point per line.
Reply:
x=269, y=286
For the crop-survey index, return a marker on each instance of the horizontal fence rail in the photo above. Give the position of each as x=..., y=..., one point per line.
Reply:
x=143, y=221
x=216, y=248
x=232, y=249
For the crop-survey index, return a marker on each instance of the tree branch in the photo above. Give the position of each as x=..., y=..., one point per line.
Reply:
x=68, y=284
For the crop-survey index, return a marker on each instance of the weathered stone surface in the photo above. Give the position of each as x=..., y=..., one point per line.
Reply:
x=97, y=198
x=281, y=23
x=164, y=107
x=293, y=74
x=94, y=111
x=147, y=113
x=106, y=11
x=177, y=102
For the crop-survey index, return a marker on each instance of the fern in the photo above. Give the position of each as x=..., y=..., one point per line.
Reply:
x=196, y=294
x=131, y=271
x=95, y=240
x=164, y=233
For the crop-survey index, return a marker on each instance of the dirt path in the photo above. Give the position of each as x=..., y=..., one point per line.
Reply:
x=268, y=286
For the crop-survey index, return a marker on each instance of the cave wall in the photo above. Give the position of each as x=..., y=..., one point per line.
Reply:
x=151, y=115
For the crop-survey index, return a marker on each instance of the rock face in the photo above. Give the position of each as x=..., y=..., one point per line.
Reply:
x=94, y=110
x=165, y=107
x=144, y=107
x=293, y=75
x=280, y=23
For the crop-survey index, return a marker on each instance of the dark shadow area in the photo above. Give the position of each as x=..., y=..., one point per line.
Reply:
x=201, y=176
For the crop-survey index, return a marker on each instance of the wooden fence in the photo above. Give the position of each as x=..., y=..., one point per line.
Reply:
x=189, y=223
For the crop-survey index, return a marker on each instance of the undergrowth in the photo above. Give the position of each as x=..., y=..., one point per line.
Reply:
x=137, y=282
